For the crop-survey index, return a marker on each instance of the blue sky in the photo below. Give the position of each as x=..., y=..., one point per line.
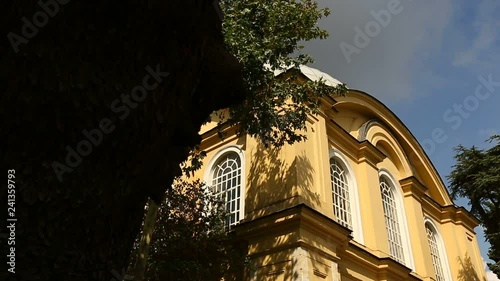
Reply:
x=425, y=61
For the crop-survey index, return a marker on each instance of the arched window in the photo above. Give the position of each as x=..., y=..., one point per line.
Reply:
x=344, y=195
x=391, y=220
x=395, y=220
x=227, y=183
x=340, y=191
x=438, y=257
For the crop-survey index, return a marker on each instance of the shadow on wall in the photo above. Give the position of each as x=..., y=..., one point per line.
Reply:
x=279, y=179
x=273, y=183
x=467, y=272
x=278, y=266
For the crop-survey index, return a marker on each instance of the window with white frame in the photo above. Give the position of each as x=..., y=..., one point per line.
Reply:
x=227, y=185
x=345, y=200
x=340, y=192
x=392, y=221
x=438, y=257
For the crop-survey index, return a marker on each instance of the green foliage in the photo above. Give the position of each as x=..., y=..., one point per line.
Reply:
x=476, y=176
x=194, y=162
x=265, y=35
x=190, y=241
x=64, y=80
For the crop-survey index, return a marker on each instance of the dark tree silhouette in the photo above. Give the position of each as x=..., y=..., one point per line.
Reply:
x=88, y=146
x=102, y=100
x=476, y=176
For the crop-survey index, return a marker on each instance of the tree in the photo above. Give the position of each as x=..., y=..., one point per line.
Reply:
x=88, y=145
x=476, y=176
x=276, y=109
x=88, y=156
x=190, y=240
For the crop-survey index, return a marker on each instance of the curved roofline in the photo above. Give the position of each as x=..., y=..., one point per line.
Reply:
x=311, y=73
x=315, y=75
x=411, y=134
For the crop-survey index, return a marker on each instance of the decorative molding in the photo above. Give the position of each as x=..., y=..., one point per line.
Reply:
x=363, y=130
x=413, y=187
x=362, y=151
x=341, y=139
x=448, y=214
x=211, y=140
x=432, y=208
x=368, y=153
x=320, y=274
x=459, y=216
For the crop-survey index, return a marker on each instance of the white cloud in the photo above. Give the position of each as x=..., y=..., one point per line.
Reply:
x=487, y=33
x=490, y=276
x=387, y=67
x=487, y=132
x=465, y=58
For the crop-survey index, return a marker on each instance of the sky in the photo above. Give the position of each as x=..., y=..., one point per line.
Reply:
x=434, y=63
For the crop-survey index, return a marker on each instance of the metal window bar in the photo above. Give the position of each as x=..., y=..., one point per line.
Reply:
x=436, y=258
x=392, y=222
x=227, y=185
x=340, y=192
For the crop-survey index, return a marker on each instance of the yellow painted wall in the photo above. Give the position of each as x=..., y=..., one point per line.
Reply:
x=289, y=220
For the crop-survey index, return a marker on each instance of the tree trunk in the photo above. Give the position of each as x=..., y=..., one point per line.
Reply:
x=139, y=267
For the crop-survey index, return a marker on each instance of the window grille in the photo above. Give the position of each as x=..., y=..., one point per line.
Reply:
x=226, y=182
x=436, y=257
x=392, y=221
x=340, y=192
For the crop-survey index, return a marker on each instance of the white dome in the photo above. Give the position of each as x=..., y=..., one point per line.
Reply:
x=315, y=74
x=311, y=73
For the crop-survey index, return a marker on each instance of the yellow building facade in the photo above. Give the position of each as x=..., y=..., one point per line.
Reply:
x=358, y=200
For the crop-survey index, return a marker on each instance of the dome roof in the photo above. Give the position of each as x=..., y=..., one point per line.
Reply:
x=311, y=73
x=315, y=74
